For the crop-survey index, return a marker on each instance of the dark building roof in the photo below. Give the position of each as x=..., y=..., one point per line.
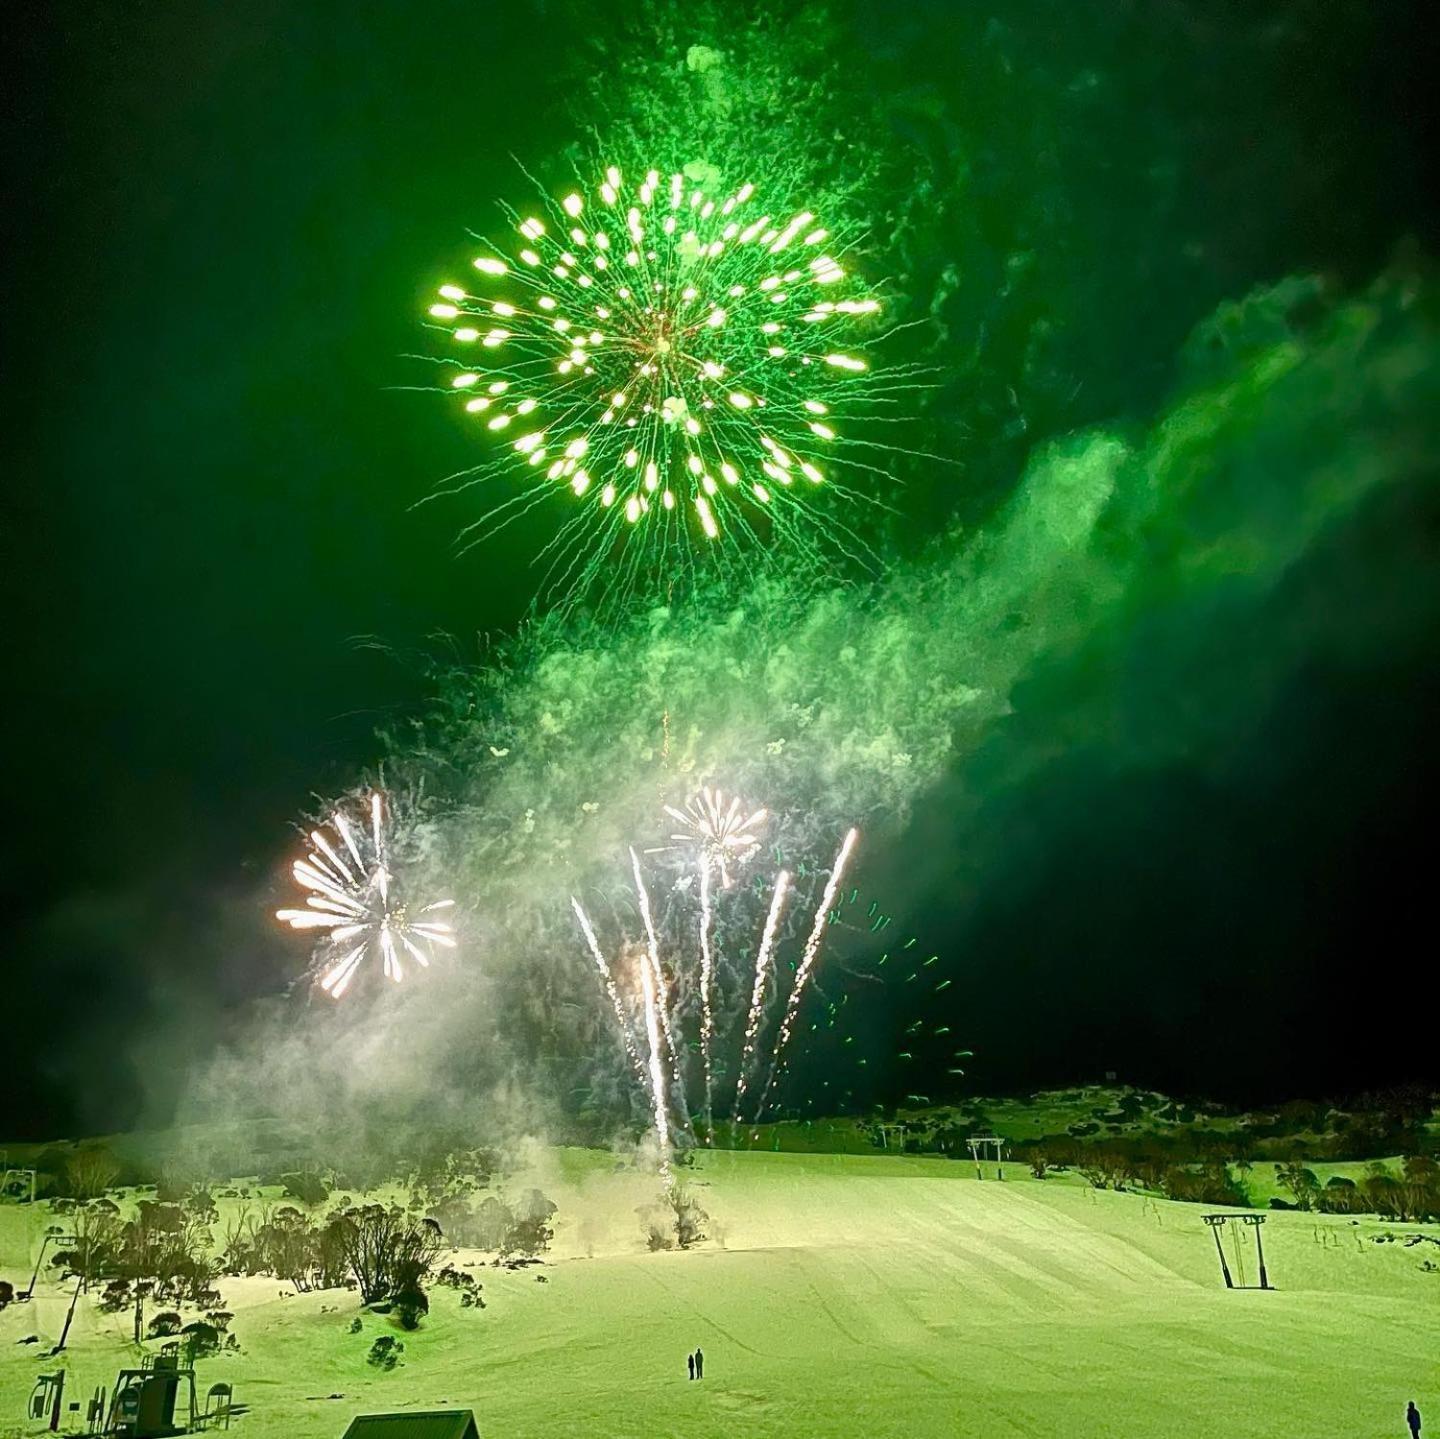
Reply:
x=416, y=1424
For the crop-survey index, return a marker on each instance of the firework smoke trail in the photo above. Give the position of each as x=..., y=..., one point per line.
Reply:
x=762, y=966
x=358, y=902
x=657, y=1073
x=651, y=986
x=707, y=1018
x=588, y=930
x=807, y=962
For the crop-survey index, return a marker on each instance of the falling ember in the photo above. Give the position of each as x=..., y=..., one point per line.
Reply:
x=354, y=899
x=807, y=961
x=757, y=996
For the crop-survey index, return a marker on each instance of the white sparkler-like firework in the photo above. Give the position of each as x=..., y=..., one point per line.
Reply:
x=707, y=1011
x=648, y=1050
x=720, y=837
x=608, y=979
x=757, y=994
x=353, y=897
x=655, y=995
x=656, y=1011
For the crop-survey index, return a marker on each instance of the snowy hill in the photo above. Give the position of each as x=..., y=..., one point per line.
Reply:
x=838, y=1295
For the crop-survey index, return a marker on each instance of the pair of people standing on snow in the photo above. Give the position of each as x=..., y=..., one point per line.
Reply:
x=696, y=1361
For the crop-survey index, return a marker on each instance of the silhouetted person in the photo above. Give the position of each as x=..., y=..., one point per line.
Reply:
x=690, y=1359
x=700, y=1374
x=1412, y=1417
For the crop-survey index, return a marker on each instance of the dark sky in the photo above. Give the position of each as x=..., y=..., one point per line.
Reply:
x=223, y=220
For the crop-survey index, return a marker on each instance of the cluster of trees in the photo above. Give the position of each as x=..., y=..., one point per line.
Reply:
x=466, y=1285
x=1118, y=1167
x=1391, y=1121
x=379, y=1249
x=284, y=1242
x=440, y=1175
x=163, y=1251
x=1410, y=1196
x=162, y=1254
x=520, y=1229
x=384, y=1251
x=390, y=1256
x=200, y=1339
x=276, y=1156
x=167, y=1253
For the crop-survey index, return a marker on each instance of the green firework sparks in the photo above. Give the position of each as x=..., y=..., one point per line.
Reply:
x=679, y=365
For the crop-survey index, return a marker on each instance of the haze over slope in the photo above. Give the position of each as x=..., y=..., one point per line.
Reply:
x=846, y=1296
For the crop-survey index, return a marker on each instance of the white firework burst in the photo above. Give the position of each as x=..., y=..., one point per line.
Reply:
x=355, y=900
x=721, y=835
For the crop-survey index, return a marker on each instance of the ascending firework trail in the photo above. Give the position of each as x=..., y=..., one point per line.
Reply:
x=658, y=1027
x=807, y=963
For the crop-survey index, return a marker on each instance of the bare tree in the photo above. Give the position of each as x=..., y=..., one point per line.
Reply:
x=97, y=1234
x=91, y=1172
x=380, y=1245
x=169, y=1247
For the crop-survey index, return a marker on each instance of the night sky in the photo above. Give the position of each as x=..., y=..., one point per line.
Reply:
x=223, y=223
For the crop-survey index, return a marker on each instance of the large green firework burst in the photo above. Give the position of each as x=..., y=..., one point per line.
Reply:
x=677, y=363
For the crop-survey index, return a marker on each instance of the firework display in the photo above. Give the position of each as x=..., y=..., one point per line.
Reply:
x=807, y=960
x=676, y=360
x=355, y=901
x=685, y=365
x=757, y=993
x=719, y=838
x=659, y=1020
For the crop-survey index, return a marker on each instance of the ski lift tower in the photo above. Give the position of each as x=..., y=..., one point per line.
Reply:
x=996, y=1147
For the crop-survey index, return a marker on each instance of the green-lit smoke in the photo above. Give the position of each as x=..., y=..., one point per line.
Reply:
x=844, y=705
x=731, y=84
x=542, y=762
x=1008, y=645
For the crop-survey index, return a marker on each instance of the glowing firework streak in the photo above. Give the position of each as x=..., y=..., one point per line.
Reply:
x=651, y=987
x=707, y=1017
x=719, y=834
x=662, y=989
x=657, y=1074
x=807, y=961
x=355, y=900
x=762, y=968
x=588, y=930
